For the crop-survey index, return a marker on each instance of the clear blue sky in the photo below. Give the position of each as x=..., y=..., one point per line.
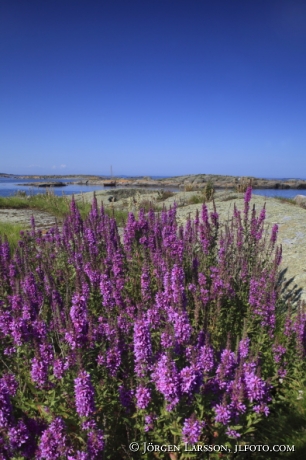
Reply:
x=153, y=87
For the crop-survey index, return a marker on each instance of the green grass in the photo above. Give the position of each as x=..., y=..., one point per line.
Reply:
x=230, y=197
x=120, y=215
x=196, y=199
x=58, y=206
x=11, y=232
x=286, y=200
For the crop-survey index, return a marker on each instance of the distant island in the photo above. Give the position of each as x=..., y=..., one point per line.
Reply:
x=191, y=180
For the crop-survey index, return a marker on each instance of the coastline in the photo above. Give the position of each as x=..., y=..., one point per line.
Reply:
x=196, y=181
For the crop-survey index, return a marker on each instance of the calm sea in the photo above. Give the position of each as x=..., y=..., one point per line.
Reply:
x=9, y=187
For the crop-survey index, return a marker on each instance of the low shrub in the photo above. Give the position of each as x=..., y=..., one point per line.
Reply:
x=196, y=199
x=164, y=194
x=230, y=197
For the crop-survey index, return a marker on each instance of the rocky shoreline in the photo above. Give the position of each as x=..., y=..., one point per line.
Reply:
x=200, y=180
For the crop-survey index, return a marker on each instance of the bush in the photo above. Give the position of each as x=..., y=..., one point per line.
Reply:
x=164, y=194
x=209, y=191
x=175, y=335
x=196, y=199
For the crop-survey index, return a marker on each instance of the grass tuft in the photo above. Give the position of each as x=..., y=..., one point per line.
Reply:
x=11, y=232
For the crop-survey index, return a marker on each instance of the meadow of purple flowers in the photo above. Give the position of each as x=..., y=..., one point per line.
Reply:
x=172, y=335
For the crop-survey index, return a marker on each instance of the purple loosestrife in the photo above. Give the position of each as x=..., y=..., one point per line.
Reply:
x=143, y=397
x=223, y=414
x=260, y=222
x=274, y=234
x=75, y=218
x=32, y=294
x=204, y=231
x=232, y=433
x=189, y=378
x=256, y=388
x=106, y=290
x=205, y=359
x=204, y=292
x=10, y=383
x=58, y=368
x=5, y=252
x=5, y=322
x=129, y=234
x=192, y=430
x=243, y=349
x=167, y=339
x=79, y=317
x=247, y=199
x=79, y=456
x=91, y=240
x=262, y=298
x=236, y=390
x=95, y=444
x=142, y=347
x=84, y=395
x=226, y=368
x=39, y=371
x=126, y=397
x=145, y=284
x=5, y=405
x=113, y=358
x=18, y=435
x=166, y=379
x=149, y=422
x=94, y=211
x=278, y=353
x=93, y=275
x=181, y=325
x=177, y=285
x=54, y=441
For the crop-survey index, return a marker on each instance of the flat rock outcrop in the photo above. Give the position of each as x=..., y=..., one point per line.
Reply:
x=300, y=200
x=44, y=184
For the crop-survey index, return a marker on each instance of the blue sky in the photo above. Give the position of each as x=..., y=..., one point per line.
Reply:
x=153, y=87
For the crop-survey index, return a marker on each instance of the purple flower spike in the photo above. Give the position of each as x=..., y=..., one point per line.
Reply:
x=143, y=397
x=223, y=414
x=39, y=372
x=54, y=443
x=5, y=405
x=142, y=347
x=192, y=430
x=84, y=395
x=78, y=315
x=95, y=444
x=167, y=381
x=274, y=233
x=18, y=435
